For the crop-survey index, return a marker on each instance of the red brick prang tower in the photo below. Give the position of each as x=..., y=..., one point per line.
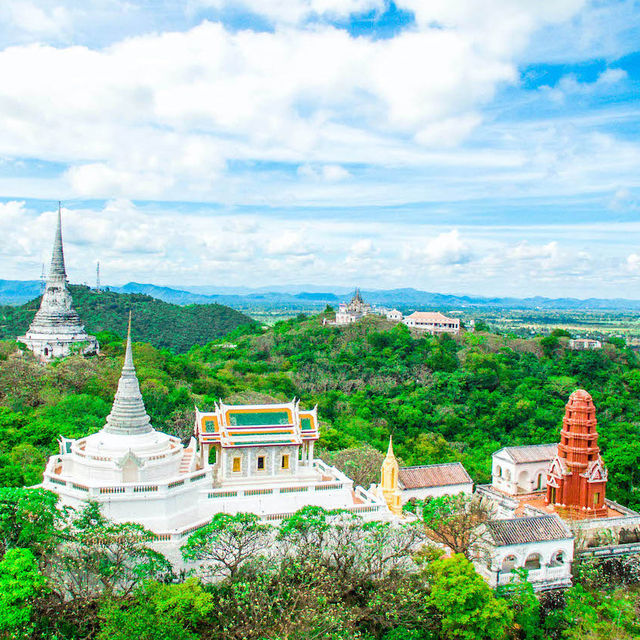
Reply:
x=577, y=477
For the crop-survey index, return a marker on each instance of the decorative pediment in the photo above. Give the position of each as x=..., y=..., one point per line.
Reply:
x=130, y=458
x=557, y=468
x=596, y=471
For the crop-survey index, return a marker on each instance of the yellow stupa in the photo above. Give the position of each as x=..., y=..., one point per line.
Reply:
x=389, y=481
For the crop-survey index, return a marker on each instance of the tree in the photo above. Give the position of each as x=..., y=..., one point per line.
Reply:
x=466, y=605
x=454, y=520
x=99, y=557
x=599, y=614
x=226, y=543
x=28, y=519
x=525, y=605
x=20, y=583
x=550, y=345
x=353, y=550
x=362, y=463
x=157, y=612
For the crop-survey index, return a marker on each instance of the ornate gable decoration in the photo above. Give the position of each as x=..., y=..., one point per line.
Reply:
x=596, y=472
x=130, y=456
x=557, y=469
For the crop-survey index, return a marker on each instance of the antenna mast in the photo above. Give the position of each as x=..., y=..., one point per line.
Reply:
x=98, y=276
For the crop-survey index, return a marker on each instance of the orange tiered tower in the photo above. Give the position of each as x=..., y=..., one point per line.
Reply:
x=577, y=477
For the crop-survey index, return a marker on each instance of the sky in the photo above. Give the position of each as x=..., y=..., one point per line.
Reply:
x=483, y=147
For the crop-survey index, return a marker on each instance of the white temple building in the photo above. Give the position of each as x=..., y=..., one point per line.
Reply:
x=56, y=330
x=351, y=312
x=522, y=469
x=543, y=545
x=432, y=322
x=256, y=459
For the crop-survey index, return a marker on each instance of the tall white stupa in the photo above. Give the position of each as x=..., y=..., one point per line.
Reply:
x=56, y=330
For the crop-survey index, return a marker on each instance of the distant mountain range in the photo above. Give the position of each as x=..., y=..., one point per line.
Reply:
x=310, y=297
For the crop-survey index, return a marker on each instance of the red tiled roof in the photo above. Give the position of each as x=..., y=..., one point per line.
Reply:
x=433, y=475
x=531, y=453
x=523, y=530
x=430, y=316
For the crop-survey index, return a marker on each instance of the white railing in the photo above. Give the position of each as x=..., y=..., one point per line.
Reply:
x=611, y=551
x=128, y=489
x=251, y=492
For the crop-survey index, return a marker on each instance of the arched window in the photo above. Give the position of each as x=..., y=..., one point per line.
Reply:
x=508, y=564
x=46, y=351
x=499, y=471
x=540, y=481
x=507, y=474
x=557, y=559
x=532, y=562
x=523, y=480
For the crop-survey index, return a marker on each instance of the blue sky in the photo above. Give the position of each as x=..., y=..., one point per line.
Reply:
x=469, y=146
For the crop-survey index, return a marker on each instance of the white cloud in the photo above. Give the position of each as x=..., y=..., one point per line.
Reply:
x=363, y=247
x=289, y=243
x=624, y=200
x=327, y=172
x=446, y=249
x=294, y=11
x=633, y=263
x=160, y=115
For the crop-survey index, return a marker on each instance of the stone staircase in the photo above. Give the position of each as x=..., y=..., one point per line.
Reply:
x=186, y=464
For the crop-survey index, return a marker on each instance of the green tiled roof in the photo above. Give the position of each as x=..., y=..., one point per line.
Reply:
x=254, y=419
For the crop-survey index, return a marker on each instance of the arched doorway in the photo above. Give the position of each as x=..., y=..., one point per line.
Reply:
x=524, y=483
x=533, y=562
x=508, y=564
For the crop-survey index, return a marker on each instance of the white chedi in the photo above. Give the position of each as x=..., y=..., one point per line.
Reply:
x=56, y=330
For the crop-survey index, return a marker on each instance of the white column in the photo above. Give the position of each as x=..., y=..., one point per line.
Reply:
x=311, y=453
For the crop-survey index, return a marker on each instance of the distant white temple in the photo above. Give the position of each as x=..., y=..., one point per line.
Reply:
x=353, y=311
x=256, y=459
x=56, y=330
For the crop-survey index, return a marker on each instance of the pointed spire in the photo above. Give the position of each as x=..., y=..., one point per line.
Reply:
x=128, y=353
x=128, y=415
x=389, y=474
x=390, y=448
x=57, y=270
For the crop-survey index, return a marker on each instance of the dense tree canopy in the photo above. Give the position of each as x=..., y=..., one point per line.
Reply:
x=318, y=575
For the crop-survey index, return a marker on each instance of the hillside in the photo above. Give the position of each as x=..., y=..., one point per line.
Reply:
x=161, y=324
x=443, y=399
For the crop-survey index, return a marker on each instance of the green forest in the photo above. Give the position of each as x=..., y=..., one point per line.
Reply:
x=164, y=325
x=67, y=576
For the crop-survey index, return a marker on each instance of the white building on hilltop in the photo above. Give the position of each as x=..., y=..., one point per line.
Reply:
x=394, y=315
x=255, y=459
x=351, y=312
x=432, y=322
x=584, y=344
x=56, y=330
